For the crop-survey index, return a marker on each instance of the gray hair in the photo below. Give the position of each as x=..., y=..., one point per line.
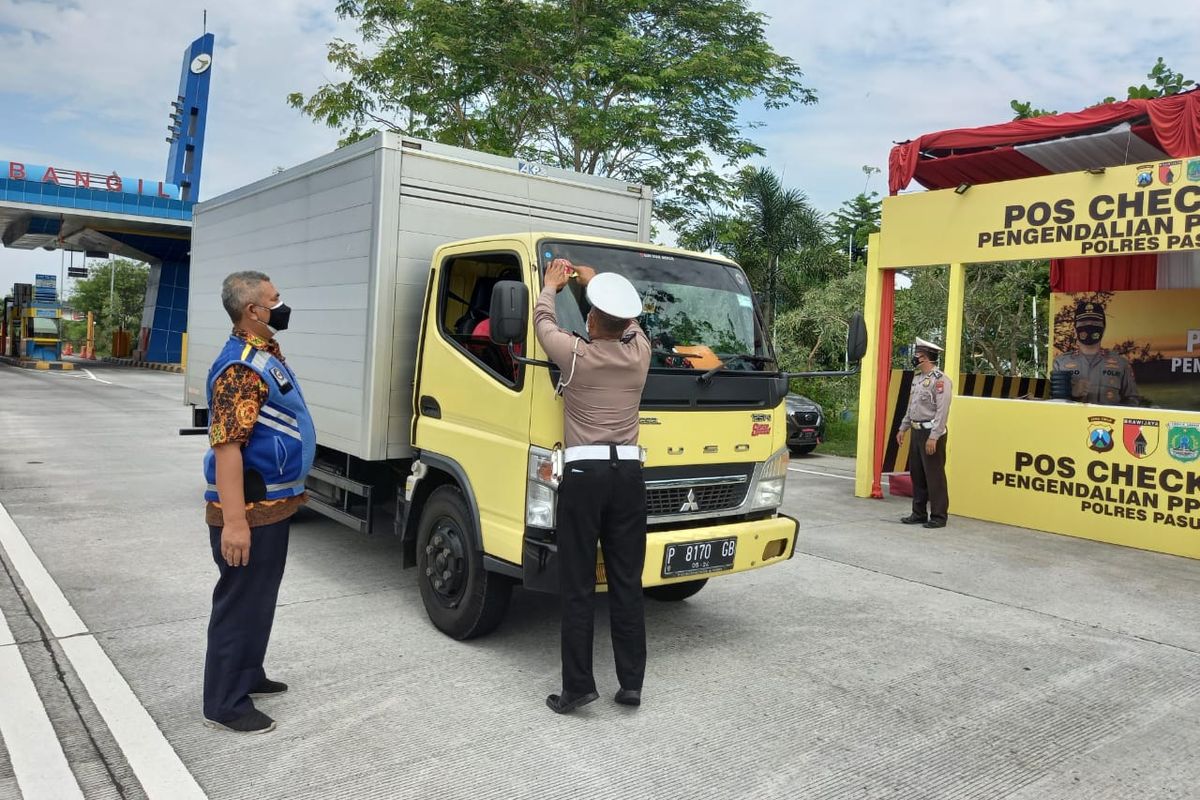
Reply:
x=239, y=290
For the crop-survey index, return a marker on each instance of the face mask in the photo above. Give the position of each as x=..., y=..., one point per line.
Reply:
x=278, y=320
x=1089, y=334
x=916, y=362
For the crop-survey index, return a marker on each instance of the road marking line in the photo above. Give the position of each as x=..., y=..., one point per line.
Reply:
x=93, y=377
x=155, y=763
x=822, y=474
x=37, y=757
x=58, y=613
x=151, y=757
x=76, y=374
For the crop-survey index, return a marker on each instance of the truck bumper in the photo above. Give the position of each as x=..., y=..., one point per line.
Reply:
x=760, y=543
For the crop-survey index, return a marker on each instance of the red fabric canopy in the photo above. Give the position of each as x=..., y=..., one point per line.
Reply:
x=1174, y=128
x=1104, y=273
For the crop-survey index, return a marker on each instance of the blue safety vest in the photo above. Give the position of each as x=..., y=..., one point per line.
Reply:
x=283, y=441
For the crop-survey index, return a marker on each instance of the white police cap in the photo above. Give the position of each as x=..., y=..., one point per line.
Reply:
x=921, y=344
x=614, y=295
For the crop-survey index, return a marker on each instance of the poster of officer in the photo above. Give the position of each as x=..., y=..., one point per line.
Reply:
x=1097, y=375
x=1149, y=339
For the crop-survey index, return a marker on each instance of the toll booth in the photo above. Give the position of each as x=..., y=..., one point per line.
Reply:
x=35, y=321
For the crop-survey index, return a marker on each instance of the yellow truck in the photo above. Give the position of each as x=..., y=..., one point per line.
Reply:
x=424, y=416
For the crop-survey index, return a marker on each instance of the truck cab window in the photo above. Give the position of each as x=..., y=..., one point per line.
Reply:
x=464, y=300
x=698, y=314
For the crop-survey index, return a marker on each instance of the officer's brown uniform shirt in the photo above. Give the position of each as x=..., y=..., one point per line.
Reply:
x=929, y=401
x=605, y=389
x=1103, y=378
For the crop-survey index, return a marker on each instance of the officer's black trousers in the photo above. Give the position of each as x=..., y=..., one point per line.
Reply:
x=605, y=501
x=243, y=610
x=928, y=477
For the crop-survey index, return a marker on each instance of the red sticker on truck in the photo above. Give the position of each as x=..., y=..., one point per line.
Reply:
x=760, y=429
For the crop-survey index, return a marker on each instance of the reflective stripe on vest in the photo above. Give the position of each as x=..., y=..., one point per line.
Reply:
x=271, y=487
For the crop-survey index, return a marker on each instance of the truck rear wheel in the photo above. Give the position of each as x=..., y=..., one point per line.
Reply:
x=673, y=592
x=462, y=599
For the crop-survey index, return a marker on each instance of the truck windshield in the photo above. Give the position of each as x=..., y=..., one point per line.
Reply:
x=698, y=314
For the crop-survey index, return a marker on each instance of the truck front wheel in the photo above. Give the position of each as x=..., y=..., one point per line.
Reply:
x=463, y=600
x=672, y=592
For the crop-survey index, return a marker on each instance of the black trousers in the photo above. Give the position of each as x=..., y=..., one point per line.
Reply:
x=605, y=501
x=239, y=629
x=928, y=477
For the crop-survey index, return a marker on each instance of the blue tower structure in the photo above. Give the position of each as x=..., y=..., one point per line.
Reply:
x=164, y=317
x=188, y=118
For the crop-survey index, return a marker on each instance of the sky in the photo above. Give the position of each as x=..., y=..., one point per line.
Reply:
x=87, y=83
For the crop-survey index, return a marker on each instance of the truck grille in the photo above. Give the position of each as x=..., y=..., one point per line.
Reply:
x=718, y=495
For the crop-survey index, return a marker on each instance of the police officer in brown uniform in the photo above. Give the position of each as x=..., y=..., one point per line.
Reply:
x=602, y=496
x=928, y=406
x=1097, y=376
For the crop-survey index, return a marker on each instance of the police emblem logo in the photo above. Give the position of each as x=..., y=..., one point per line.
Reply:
x=1168, y=172
x=1193, y=169
x=1100, y=433
x=1140, y=436
x=1183, y=441
x=1145, y=175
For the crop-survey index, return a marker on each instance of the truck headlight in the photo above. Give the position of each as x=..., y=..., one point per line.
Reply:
x=541, y=490
x=768, y=489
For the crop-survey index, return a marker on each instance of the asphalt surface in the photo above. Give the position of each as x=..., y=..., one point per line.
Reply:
x=978, y=661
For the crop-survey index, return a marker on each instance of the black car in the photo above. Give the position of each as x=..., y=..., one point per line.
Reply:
x=805, y=424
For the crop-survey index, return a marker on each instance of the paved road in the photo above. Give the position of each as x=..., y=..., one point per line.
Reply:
x=974, y=662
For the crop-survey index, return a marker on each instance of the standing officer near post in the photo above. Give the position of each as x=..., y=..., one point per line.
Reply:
x=262, y=445
x=602, y=494
x=928, y=406
x=1097, y=375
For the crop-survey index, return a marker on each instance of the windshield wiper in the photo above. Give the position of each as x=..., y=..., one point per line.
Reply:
x=725, y=362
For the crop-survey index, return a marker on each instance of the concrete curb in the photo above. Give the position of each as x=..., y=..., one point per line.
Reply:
x=28, y=363
x=129, y=362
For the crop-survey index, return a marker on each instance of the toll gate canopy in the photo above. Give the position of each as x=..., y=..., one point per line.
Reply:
x=56, y=207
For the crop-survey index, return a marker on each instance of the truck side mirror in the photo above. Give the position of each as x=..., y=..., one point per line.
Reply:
x=856, y=338
x=509, y=312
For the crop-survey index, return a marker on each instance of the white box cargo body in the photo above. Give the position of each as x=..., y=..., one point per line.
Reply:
x=348, y=239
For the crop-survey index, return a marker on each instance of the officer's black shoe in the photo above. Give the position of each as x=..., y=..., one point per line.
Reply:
x=935, y=523
x=913, y=519
x=253, y=721
x=566, y=703
x=629, y=697
x=268, y=687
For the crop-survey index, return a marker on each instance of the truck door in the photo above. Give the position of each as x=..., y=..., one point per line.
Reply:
x=473, y=402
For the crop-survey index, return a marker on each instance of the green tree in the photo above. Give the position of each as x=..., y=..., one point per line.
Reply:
x=1000, y=336
x=1166, y=82
x=778, y=227
x=1027, y=110
x=115, y=291
x=641, y=90
x=854, y=222
x=710, y=232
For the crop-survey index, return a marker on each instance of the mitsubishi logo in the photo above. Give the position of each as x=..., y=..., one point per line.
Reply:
x=691, y=504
